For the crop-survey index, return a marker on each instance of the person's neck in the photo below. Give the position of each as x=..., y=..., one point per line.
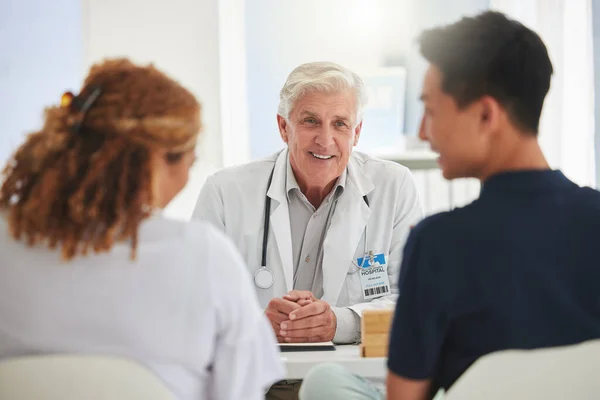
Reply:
x=316, y=194
x=520, y=153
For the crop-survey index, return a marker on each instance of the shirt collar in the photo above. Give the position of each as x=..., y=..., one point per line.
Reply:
x=527, y=182
x=291, y=183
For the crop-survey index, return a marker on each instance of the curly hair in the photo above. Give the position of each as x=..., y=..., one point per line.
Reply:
x=85, y=179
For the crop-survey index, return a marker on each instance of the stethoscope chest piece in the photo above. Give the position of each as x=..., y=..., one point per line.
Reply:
x=263, y=278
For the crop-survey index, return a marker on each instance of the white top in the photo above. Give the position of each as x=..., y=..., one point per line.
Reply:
x=185, y=308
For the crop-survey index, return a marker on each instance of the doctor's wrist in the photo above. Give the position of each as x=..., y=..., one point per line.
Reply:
x=347, y=326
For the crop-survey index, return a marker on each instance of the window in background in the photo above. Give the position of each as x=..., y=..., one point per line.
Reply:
x=383, y=117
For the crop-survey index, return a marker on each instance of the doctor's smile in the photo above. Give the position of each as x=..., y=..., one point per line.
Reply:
x=321, y=156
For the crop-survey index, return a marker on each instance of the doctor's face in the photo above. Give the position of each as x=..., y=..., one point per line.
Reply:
x=320, y=132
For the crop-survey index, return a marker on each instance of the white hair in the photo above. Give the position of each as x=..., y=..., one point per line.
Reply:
x=325, y=77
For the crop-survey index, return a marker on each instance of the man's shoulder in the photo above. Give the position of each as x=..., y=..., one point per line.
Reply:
x=447, y=223
x=240, y=173
x=587, y=198
x=582, y=206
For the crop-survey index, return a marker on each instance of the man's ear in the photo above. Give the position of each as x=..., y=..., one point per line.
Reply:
x=357, y=131
x=490, y=114
x=283, y=127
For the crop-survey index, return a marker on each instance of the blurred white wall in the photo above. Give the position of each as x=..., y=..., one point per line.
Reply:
x=47, y=48
x=41, y=52
x=180, y=37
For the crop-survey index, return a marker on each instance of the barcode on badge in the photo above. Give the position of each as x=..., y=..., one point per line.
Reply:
x=377, y=290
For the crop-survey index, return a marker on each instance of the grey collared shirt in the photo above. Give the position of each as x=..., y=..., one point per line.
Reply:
x=309, y=226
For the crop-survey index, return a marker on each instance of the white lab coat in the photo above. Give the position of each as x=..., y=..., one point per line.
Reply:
x=176, y=309
x=233, y=200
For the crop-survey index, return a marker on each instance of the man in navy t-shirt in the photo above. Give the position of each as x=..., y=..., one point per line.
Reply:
x=518, y=268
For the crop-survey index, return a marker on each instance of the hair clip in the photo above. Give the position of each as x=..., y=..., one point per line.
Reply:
x=81, y=104
x=90, y=99
x=66, y=99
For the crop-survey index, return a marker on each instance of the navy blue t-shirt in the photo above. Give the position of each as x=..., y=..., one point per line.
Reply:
x=519, y=268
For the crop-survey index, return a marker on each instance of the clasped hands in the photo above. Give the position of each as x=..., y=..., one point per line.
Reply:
x=299, y=317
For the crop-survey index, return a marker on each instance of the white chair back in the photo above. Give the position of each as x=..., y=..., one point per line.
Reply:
x=76, y=377
x=566, y=372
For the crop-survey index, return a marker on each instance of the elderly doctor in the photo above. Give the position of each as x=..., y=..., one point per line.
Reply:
x=321, y=228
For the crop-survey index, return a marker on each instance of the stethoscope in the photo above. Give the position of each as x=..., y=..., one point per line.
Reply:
x=264, y=277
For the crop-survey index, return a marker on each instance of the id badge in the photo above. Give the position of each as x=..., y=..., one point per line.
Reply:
x=374, y=278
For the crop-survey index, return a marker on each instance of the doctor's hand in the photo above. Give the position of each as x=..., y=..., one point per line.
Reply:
x=278, y=311
x=313, y=322
x=300, y=295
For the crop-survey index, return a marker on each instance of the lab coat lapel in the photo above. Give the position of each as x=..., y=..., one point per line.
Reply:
x=280, y=219
x=343, y=236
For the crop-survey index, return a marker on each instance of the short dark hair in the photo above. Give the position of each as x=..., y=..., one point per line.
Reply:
x=490, y=54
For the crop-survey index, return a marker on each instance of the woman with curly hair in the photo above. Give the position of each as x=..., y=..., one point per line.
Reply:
x=87, y=263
